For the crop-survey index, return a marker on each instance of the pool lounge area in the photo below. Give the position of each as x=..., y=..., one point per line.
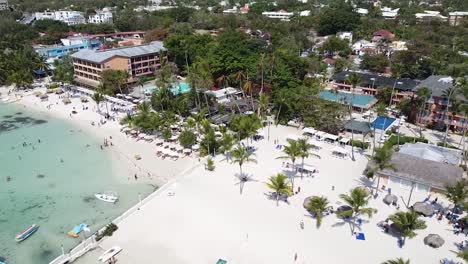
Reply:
x=360, y=101
x=177, y=88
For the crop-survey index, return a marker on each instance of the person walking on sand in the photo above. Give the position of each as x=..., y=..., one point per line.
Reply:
x=136, y=177
x=301, y=224
x=295, y=257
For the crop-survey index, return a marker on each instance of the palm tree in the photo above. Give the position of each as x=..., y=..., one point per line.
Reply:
x=241, y=156
x=261, y=68
x=305, y=148
x=354, y=79
x=140, y=83
x=457, y=193
x=396, y=69
x=263, y=102
x=407, y=223
x=248, y=88
x=463, y=108
x=41, y=64
x=98, y=98
x=222, y=80
x=397, y=261
x=292, y=151
x=279, y=185
x=447, y=94
x=317, y=206
x=382, y=158
x=227, y=142
x=357, y=200
x=424, y=93
x=463, y=255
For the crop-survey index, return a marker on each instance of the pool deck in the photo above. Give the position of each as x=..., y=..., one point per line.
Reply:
x=361, y=107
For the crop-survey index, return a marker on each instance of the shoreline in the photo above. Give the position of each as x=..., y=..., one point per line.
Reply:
x=150, y=169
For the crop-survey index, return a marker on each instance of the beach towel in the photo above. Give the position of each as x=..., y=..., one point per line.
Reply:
x=360, y=236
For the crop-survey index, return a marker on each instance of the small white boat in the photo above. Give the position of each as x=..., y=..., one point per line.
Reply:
x=26, y=232
x=107, y=197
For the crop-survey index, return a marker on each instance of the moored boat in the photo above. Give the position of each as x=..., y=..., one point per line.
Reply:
x=77, y=229
x=26, y=233
x=107, y=197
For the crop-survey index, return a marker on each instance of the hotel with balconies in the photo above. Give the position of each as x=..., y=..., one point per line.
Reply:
x=436, y=112
x=136, y=60
x=370, y=84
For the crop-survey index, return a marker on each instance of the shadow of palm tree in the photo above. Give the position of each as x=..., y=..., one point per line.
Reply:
x=272, y=196
x=243, y=179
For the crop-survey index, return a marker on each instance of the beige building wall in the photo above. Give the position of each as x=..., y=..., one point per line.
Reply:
x=116, y=63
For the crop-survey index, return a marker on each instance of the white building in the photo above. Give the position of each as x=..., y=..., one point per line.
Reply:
x=455, y=18
x=346, y=36
x=67, y=16
x=430, y=15
x=224, y=95
x=304, y=13
x=362, y=11
x=389, y=13
x=283, y=15
x=3, y=4
x=101, y=16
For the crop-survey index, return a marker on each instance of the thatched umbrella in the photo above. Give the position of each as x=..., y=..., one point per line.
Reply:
x=306, y=202
x=43, y=96
x=84, y=99
x=66, y=101
x=37, y=93
x=59, y=91
x=342, y=209
x=50, y=91
x=390, y=198
x=423, y=208
x=434, y=240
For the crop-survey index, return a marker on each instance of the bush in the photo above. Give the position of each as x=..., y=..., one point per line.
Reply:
x=110, y=229
x=360, y=144
x=447, y=145
x=53, y=86
x=187, y=139
x=393, y=140
x=210, y=164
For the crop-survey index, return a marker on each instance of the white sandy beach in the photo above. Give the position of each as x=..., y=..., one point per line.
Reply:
x=208, y=219
x=150, y=169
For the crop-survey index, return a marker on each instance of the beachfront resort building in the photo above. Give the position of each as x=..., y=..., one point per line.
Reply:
x=436, y=107
x=371, y=83
x=137, y=61
x=3, y=5
x=422, y=168
x=68, y=17
x=282, y=15
x=100, y=16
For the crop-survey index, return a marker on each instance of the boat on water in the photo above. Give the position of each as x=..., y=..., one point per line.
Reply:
x=77, y=229
x=26, y=233
x=109, y=197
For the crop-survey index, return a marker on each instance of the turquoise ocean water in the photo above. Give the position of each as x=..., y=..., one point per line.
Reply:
x=52, y=184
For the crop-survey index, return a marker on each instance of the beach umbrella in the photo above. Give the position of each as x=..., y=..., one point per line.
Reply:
x=43, y=96
x=133, y=132
x=66, y=101
x=37, y=93
x=84, y=99
x=425, y=209
x=390, y=198
x=174, y=137
x=59, y=91
x=148, y=137
x=166, y=144
x=142, y=135
x=306, y=202
x=160, y=149
x=126, y=129
x=187, y=151
x=137, y=157
x=179, y=148
x=172, y=146
x=342, y=209
x=434, y=240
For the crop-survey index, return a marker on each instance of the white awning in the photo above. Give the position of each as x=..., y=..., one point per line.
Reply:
x=308, y=130
x=331, y=137
x=341, y=151
x=320, y=134
x=344, y=140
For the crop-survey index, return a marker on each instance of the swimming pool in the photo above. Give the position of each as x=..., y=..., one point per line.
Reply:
x=382, y=122
x=359, y=100
x=177, y=88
